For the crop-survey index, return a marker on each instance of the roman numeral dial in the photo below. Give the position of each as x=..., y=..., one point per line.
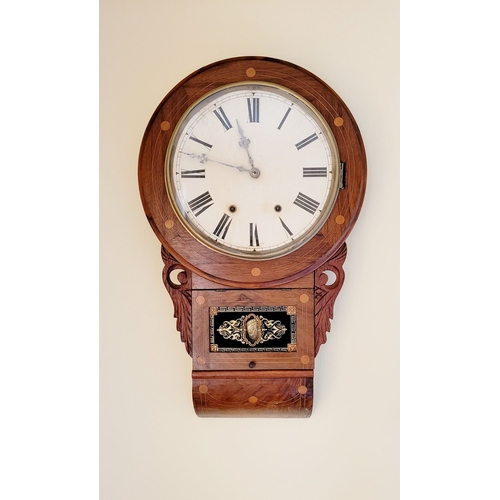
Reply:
x=285, y=227
x=193, y=174
x=306, y=203
x=314, y=172
x=254, y=235
x=305, y=142
x=223, y=226
x=284, y=118
x=253, y=170
x=253, y=109
x=221, y=116
x=199, y=141
x=201, y=203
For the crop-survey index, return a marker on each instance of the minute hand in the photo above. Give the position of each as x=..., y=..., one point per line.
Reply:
x=204, y=158
x=244, y=142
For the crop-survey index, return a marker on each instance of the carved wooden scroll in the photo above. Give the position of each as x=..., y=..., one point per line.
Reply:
x=179, y=288
x=325, y=294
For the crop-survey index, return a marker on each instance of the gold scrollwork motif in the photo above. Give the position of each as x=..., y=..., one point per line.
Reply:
x=252, y=329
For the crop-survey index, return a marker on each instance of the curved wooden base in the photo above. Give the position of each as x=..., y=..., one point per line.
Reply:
x=267, y=393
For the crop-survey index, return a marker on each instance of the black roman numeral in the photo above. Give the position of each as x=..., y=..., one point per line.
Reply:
x=306, y=141
x=284, y=118
x=199, y=141
x=219, y=113
x=193, y=174
x=306, y=203
x=287, y=229
x=223, y=226
x=314, y=171
x=254, y=235
x=253, y=109
x=199, y=204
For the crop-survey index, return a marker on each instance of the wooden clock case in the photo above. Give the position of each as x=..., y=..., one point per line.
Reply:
x=200, y=280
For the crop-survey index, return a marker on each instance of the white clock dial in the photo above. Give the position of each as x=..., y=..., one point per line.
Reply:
x=253, y=171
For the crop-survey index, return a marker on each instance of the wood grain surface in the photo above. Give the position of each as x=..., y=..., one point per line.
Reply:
x=253, y=394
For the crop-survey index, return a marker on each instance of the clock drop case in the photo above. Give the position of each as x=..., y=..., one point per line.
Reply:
x=252, y=173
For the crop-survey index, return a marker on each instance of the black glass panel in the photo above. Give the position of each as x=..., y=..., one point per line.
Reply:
x=254, y=329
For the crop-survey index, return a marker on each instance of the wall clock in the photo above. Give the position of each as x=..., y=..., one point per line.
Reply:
x=252, y=173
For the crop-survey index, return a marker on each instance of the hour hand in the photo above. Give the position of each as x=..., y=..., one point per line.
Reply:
x=244, y=141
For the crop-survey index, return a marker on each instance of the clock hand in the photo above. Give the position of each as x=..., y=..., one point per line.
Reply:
x=203, y=158
x=244, y=142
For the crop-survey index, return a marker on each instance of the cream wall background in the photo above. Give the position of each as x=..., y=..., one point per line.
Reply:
x=152, y=446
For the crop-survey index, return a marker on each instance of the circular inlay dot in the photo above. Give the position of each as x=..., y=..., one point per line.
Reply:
x=340, y=219
x=169, y=223
x=255, y=271
x=305, y=360
x=252, y=399
x=204, y=389
x=302, y=389
x=200, y=299
x=165, y=125
x=251, y=72
x=201, y=360
x=338, y=122
x=304, y=298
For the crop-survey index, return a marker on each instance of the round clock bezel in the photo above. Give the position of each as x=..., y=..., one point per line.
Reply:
x=217, y=244
x=211, y=264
